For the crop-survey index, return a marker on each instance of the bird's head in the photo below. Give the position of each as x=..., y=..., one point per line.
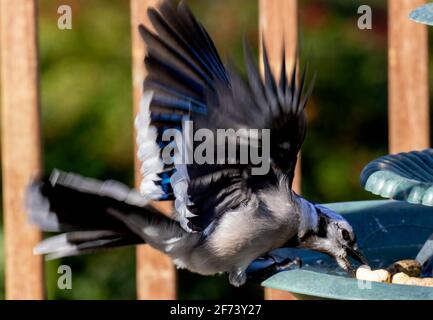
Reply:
x=335, y=237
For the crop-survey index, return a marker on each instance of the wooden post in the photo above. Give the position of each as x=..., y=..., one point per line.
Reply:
x=408, y=109
x=156, y=276
x=278, y=21
x=20, y=144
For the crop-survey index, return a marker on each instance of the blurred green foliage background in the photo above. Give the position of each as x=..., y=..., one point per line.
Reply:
x=87, y=112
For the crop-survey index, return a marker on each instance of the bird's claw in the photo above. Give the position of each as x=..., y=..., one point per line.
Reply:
x=278, y=266
x=288, y=263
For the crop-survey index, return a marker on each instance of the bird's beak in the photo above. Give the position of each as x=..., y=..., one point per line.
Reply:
x=355, y=254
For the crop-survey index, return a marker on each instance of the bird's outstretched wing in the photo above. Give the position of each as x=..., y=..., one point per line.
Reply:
x=187, y=84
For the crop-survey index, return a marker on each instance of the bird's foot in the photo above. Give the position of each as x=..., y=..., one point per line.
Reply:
x=261, y=275
x=288, y=263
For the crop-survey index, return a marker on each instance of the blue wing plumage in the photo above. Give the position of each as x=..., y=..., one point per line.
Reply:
x=182, y=67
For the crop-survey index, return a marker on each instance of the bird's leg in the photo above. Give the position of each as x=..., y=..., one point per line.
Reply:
x=261, y=275
x=268, y=256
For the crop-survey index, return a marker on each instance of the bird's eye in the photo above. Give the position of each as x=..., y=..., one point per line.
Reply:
x=345, y=234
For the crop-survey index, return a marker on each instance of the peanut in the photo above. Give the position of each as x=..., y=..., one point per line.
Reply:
x=365, y=273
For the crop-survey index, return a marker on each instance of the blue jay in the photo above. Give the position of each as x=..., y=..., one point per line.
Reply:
x=224, y=216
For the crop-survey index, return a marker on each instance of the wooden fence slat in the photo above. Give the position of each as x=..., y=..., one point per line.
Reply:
x=408, y=108
x=20, y=144
x=278, y=22
x=156, y=275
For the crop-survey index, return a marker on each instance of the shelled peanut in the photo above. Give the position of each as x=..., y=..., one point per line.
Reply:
x=365, y=273
x=402, y=278
x=401, y=272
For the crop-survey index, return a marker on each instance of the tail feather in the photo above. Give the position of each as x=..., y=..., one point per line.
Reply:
x=38, y=209
x=69, y=202
x=94, y=214
x=80, y=242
